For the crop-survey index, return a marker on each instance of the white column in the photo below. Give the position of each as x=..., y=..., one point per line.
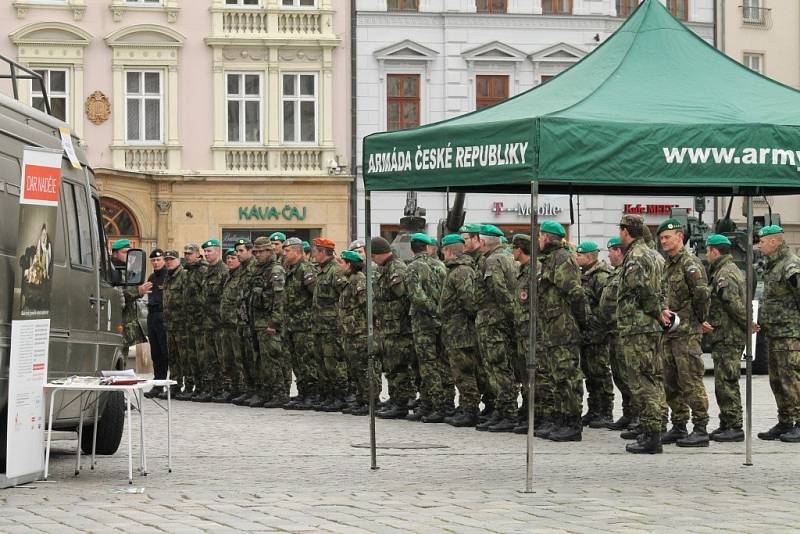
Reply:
x=118, y=114
x=76, y=97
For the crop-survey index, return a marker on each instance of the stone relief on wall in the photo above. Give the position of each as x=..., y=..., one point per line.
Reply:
x=98, y=108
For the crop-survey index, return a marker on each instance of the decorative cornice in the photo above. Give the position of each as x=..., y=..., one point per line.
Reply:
x=174, y=39
x=81, y=36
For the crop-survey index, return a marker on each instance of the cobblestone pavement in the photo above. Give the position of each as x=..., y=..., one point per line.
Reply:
x=256, y=470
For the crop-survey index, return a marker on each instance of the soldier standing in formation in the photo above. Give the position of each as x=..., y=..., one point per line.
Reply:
x=213, y=283
x=196, y=268
x=352, y=323
x=156, y=332
x=175, y=319
x=231, y=329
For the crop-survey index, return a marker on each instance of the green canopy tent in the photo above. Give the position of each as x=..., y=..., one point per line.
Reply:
x=653, y=109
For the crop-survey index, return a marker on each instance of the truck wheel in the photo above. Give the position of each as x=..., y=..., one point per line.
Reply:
x=761, y=361
x=109, y=428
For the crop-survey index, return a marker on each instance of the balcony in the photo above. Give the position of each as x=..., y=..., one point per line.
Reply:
x=272, y=24
x=756, y=17
x=282, y=160
x=147, y=158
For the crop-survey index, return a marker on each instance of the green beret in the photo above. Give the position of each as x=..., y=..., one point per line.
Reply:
x=452, y=239
x=587, y=246
x=243, y=241
x=230, y=252
x=470, y=228
x=717, y=239
x=490, y=229
x=306, y=245
x=553, y=227
x=669, y=224
x=277, y=236
x=351, y=255
x=432, y=241
x=614, y=242
x=504, y=240
x=770, y=230
x=211, y=243
x=419, y=236
x=120, y=244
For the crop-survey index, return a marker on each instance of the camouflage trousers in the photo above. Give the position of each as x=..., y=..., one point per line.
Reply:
x=196, y=358
x=397, y=353
x=784, y=377
x=642, y=353
x=232, y=346
x=431, y=369
x=464, y=364
x=270, y=366
x=621, y=375
x=176, y=345
x=448, y=380
x=543, y=400
x=683, y=380
x=300, y=346
x=212, y=380
x=596, y=369
x=354, y=346
x=331, y=365
x=248, y=361
x=496, y=353
x=727, y=372
x=563, y=364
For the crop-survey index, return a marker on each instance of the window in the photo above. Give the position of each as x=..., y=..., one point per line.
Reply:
x=490, y=6
x=679, y=8
x=244, y=3
x=626, y=7
x=490, y=90
x=754, y=62
x=546, y=78
x=244, y=108
x=118, y=221
x=56, y=81
x=556, y=7
x=401, y=5
x=298, y=3
x=299, y=108
x=402, y=101
x=143, y=106
x=754, y=14
x=80, y=231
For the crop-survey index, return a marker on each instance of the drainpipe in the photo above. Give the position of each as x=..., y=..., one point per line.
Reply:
x=353, y=126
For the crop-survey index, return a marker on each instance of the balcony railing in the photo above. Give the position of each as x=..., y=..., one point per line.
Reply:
x=273, y=160
x=146, y=159
x=268, y=23
x=758, y=17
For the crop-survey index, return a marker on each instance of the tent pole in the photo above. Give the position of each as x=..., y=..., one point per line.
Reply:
x=748, y=436
x=370, y=333
x=532, y=303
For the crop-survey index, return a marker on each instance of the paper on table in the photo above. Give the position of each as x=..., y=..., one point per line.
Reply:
x=127, y=373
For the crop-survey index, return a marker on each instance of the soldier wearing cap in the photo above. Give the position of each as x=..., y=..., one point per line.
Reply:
x=685, y=288
x=232, y=328
x=213, y=281
x=266, y=301
x=156, y=332
x=307, y=251
x=175, y=318
x=196, y=267
x=277, y=239
x=594, y=347
x=779, y=320
x=247, y=358
x=358, y=246
x=424, y=288
x=448, y=383
x=639, y=322
x=607, y=313
x=725, y=332
x=132, y=333
x=495, y=286
x=301, y=276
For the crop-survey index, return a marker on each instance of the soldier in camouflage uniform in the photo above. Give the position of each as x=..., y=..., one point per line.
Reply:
x=595, y=362
x=607, y=312
x=132, y=333
x=393, y=339
x=457, y=311
x=248, y=358
x=196, y=268
x=230, y=312
x=175, y=319
x=330, y=360
x=448, y=384
x=685, y=288
x=726, y=333
x=299, y=337
x=779, y=319
x=495, y=286
x=213, y=282
x=267, y=296
x=639, y=321
x=563, y=315
x=424, y=285
x=277, y=239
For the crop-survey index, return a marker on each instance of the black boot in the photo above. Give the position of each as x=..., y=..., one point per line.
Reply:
x=775, y=432
x=153, y=393
x=293, y=402
x=632, y=433
x=256, y=401
x=274, y=402
x=224, y=396
x=619, y=424
x=793, y=436
x=649, y=444
x=719, y=430
x=698, y=438
x=493, y=420
x=678, y=431
x=395, y=412
x=601, y=421
x=547, y=427
x=570, y=431
x=504, y=425
x=463, y=420
x=588, y=418
x=433, y=417
x=241, y=399
x=335, y=405
x=204, y=396
x=729, y=435
x=522, y=427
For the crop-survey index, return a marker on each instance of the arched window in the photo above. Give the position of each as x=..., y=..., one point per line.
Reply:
x=118, y=221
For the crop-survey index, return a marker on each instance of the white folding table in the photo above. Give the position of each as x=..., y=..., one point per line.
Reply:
x=88, y=389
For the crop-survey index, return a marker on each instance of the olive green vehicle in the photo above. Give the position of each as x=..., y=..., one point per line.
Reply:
x=86, y=307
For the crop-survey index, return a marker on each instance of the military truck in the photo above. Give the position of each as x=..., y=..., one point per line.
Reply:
x=86, y=309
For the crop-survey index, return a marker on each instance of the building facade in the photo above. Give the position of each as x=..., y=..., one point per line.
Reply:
x=201, y=119
x=421, y=61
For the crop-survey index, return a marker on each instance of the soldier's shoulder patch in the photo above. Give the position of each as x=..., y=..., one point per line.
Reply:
x=722, y=282
x=395, y=279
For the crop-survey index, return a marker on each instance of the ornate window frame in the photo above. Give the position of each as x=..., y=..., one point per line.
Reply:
x=405, y=57
x=78, y=7
x=554, y=60
x=493, y=58
x=169, y=7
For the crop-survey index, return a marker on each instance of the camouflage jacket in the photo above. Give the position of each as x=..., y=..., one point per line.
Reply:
x=562, y=304
x=352, y=306
x=132, y=333
x=639, y=301
x=522, y=308
x=391, y=298
x=495, y=285
x=326, y=297
x=193, y=293
x=231, y=301
x=727, y=312
x=175, y=313
x=438, y=266
x=686, y=290
x=300, y=280
x=607, y=309
x=594, y=279
x=213, y=282
x=424, y=286
x=267, y=295
x=457, y=304
x=779, y=314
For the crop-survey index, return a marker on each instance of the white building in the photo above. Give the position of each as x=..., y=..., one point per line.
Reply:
x=422, y=61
